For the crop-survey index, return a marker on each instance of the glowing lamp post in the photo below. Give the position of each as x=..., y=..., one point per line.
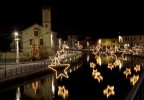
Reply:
x=17, y=47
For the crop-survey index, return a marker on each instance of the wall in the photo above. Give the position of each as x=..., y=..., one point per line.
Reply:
x=10, y=57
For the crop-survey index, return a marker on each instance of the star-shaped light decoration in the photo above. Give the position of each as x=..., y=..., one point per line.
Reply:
x=134, y=79
x=62, y=92
x=61, y=52
x=61, y=70
x=110, y=66
x=98, y=60
x=117, y=62
x=127, y=72
x=55, y=60
x=95, y=49
x=97, y=75
x=92, y=65
x=136, y=49
x=109, y=91
x=110, y=53
x=124, y=52
x=137, y=68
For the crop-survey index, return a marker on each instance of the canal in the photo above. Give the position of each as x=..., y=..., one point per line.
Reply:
x=80, y=85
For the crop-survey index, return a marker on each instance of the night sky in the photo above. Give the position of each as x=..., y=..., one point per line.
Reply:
x=82, y=17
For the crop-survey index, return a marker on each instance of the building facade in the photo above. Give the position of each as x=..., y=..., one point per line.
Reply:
x=44, y=39
x=108, y=43
x=131, y=41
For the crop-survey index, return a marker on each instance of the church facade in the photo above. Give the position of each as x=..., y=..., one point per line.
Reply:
x=40, y=39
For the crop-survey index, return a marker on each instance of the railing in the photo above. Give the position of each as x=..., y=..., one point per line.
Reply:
x=137, y=92
x=15, y=71
x=20, y=69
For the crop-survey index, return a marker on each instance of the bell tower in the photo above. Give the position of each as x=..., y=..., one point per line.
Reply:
x=46, y=17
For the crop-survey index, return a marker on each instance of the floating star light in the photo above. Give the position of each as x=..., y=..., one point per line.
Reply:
x=97, y=75
x=137, y=68
x=62, y=92
x=117, y=62
x=136, y=49
x=109, y=91
x=134, y=79
x=98, y=60
x=92, y=65
x=95, y=49
x=110, y=53
x=127, y=72
x=110, y=66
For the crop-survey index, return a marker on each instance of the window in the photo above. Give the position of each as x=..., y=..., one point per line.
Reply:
x=30, y=41
x=108, y=47
x=104, y=48
x=104, y=41
x=35, y=33
x=46, y=25
x=41, y=41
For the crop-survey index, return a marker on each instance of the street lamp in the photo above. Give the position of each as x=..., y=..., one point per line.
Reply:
x=17, y=47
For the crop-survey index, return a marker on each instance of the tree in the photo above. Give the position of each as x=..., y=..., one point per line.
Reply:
x=34, y=50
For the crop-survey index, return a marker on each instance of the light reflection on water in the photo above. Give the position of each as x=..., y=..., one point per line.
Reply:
x=79, y=85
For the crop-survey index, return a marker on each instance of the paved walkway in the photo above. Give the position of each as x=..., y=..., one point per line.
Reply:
x=47, y=61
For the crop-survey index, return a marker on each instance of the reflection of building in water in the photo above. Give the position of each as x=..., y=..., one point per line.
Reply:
x=105, y=60
x=40, y=90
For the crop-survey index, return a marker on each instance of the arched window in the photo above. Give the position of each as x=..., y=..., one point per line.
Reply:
x=36, y=29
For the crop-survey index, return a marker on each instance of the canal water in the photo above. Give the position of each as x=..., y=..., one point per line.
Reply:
x=80, y=85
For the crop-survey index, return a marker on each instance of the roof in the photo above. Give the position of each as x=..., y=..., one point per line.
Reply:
x=31, y=27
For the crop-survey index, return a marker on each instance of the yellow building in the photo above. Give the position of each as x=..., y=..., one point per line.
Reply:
x=107, y=43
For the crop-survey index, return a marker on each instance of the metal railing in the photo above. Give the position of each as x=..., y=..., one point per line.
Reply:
x=9, y=72
x=24, y=69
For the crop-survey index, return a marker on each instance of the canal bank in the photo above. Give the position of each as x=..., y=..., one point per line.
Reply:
x=22, y=72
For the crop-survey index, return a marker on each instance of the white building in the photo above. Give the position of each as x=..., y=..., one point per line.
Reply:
x=131, y=40
x=44, y=37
